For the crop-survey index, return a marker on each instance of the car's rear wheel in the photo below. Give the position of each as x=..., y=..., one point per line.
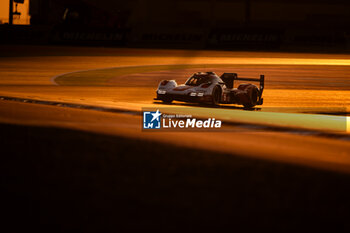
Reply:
x=252, y=93
x=216, y=95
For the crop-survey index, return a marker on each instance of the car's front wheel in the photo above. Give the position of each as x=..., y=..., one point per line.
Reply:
x=216, y=95
x=167, y=100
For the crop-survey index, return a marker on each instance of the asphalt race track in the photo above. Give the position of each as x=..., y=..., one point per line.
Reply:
x=74, y=156
x=302, y=91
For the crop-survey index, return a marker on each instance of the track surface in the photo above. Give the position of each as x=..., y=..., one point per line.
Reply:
x=325, y=78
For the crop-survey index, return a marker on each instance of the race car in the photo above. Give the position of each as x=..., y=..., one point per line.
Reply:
x=209, y=88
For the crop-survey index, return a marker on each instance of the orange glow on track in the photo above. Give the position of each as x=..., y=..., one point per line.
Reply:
x=275, y=61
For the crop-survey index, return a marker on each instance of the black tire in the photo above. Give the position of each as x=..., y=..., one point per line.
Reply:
x=248, y=106
x=167, y=100
x=216, y=95
x=253, y=96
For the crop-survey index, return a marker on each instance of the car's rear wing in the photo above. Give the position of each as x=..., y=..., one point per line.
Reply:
x=229, y=79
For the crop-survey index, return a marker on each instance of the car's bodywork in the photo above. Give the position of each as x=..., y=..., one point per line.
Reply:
x=207, y=87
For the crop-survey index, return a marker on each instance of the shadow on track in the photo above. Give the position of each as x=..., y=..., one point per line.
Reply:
x=207, y=106
x=61, y=180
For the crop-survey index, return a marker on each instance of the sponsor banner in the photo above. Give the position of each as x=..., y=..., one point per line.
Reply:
x=165, y=37
x=81, y=36
x=246, y=38
x=317, y=39
x=25, y=34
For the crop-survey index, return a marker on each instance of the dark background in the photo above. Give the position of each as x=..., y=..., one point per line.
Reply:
x=221, y=24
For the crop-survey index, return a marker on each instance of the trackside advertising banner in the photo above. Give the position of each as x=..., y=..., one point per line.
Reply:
x=160, y=37
x=89, y=36
x=248, y=38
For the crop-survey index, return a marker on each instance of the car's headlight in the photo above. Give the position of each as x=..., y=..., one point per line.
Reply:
x=196, y=94
x=161, y=92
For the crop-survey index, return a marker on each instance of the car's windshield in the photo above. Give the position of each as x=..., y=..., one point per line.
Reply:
x=197, y=80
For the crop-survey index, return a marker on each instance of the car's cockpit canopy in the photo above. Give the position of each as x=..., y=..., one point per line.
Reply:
x=201, y=78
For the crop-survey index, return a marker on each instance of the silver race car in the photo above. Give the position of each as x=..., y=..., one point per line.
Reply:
x=208, y=88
